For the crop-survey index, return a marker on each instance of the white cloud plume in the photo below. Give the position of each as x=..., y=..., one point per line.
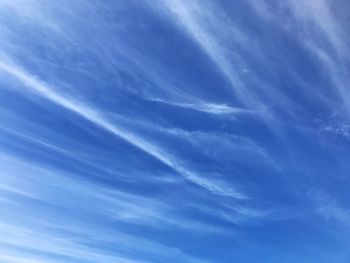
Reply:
x=98, y=119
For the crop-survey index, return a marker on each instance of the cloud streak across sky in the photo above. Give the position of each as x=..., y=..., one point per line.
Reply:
x=173, y=131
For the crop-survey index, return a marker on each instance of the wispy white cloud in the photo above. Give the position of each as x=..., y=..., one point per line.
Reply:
x=191, y=16
x=215, y=145
x=214, y=31
x=190, y=185
x=342, y=130
x=59, y=246
x=323, y=19
x=98, y=119
x=330, y=209
x=28, y=180
x=315, y=26
x=68, y=199
x=212, y=108
x=13, y=256
x=163, y=87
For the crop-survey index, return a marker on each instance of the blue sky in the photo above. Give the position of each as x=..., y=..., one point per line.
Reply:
x=174, y=131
